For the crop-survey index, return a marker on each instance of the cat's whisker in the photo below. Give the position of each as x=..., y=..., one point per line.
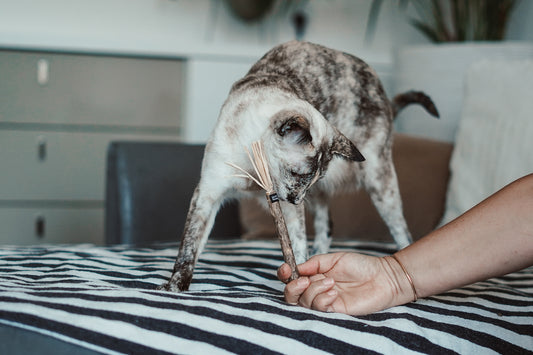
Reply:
x=315, y=179
x=246, y=175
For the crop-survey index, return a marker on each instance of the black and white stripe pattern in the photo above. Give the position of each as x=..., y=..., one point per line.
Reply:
x=104, y=299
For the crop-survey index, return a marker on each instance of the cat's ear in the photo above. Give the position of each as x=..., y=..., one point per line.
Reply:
x=344, y=148
x=294, y=129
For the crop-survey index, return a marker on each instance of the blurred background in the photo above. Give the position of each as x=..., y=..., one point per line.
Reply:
x=76, y=75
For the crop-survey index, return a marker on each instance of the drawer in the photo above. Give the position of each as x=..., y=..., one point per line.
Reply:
x=26, y=226
x=57, y=165
x=89, y=89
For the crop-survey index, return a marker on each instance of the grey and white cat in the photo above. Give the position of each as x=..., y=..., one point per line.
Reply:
x=310, y=106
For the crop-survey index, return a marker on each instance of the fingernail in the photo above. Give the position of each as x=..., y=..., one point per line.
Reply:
x=302, y=281
x=332, y=293
x=328, y=281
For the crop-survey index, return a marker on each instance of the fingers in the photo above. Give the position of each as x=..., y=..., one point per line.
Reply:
x=315, y=292
x=284, y=272
x=325, y=302
x=295, y=288
x=318, y=264
x=320, y=294
x=312, y=289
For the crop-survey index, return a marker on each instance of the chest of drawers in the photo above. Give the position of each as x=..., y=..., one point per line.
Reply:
x=58, y=113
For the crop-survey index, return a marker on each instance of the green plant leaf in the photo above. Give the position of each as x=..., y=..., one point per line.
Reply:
x=427, y=30
x=463, y=20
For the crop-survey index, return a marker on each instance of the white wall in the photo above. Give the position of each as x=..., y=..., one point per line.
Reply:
x=218, y=47
x=182, y=27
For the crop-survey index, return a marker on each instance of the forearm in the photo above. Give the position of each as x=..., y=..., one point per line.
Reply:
x=492, y=239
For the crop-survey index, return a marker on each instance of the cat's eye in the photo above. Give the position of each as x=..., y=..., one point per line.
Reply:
x=301, y=176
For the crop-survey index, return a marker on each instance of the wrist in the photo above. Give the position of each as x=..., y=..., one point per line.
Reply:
x=407, y=276
x=401, y=283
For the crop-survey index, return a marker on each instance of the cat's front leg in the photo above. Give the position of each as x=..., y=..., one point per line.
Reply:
x=200, y=218
x=295, y=220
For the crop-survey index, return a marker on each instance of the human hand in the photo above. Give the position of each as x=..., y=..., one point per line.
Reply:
x=348, y=283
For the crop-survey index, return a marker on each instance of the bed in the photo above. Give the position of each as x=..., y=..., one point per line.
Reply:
x=91, y=299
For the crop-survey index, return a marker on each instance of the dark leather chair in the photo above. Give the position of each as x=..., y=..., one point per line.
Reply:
x=148, y=190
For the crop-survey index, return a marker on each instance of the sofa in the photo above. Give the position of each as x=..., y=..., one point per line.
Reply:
x=135, y=169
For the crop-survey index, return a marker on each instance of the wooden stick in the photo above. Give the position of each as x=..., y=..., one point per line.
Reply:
x=283, y=234
x=260, y=165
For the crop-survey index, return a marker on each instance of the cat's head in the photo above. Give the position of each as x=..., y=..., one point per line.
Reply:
x=299, y=144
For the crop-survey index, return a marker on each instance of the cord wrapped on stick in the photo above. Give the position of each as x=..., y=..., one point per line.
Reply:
x=263, y=179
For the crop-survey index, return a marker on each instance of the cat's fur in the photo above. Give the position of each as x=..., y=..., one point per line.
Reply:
x=310, y=106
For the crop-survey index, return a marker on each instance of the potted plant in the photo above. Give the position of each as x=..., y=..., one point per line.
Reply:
x=461, y=33
x=460, y=21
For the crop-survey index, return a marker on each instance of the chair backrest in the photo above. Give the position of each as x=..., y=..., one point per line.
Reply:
x=148, y=190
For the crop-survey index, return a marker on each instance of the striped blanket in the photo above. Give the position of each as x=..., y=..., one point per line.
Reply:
x=103, y=298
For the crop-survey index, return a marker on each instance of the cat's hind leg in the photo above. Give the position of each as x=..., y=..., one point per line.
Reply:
x=295, y=219
x=319, y=210
x=381, y=183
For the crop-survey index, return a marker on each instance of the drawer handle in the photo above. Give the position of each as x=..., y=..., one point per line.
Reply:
x=43, y=71
x=41, y=148
x=40, y=224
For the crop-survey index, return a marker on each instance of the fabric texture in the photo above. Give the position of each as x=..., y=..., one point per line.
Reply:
x=494, y=142
x=104, y=298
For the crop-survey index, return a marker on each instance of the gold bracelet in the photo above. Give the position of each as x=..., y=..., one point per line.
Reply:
x=408, y=277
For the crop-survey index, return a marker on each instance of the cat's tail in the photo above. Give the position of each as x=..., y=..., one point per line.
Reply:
x=400, y=101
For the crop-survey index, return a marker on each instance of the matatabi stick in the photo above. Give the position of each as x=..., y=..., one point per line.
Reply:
x=260, y=165
x=283, y=234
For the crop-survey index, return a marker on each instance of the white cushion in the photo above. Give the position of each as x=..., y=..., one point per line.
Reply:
x=494, y=142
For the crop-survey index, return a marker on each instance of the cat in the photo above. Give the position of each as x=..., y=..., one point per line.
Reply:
x=326, y=124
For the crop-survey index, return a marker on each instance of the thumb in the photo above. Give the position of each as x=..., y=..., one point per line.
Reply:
x=284, y=272
x=319, y=264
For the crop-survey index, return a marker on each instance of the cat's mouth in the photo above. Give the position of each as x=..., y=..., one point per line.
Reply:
x=295, y=199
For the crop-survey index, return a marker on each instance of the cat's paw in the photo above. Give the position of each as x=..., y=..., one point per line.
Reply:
x=164, y=287
x=172, y=287
x=176, y=283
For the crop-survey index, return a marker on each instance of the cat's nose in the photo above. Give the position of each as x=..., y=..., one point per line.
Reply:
x=291, y=198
